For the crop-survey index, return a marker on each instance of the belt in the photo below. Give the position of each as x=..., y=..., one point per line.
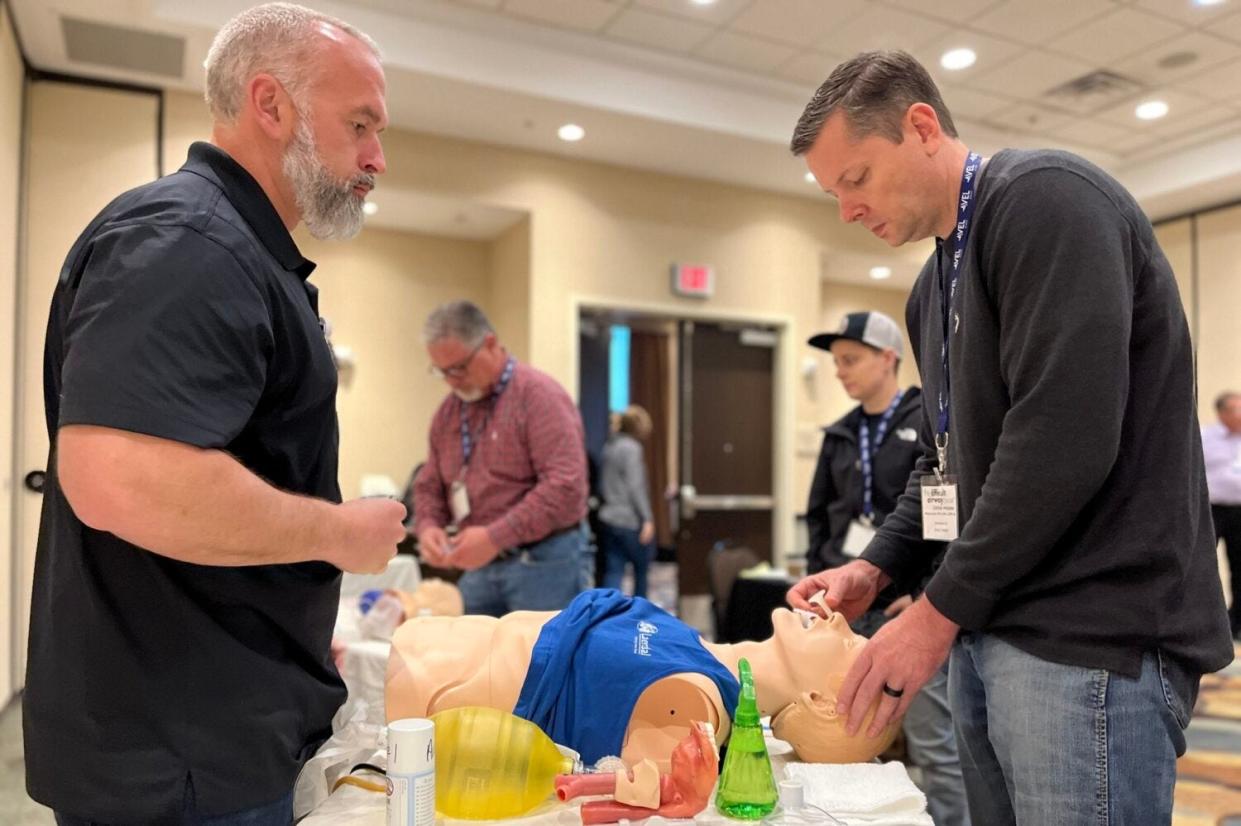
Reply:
x=516, y=551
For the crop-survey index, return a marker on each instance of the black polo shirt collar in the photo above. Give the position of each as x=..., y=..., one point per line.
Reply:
x=249, y=199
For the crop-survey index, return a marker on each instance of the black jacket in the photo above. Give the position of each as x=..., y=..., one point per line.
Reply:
x=836, y=492
x=1086, y=533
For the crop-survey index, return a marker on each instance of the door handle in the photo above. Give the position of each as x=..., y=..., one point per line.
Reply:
x=689, y=508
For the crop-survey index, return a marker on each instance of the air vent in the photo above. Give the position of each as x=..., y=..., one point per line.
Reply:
x=120, y=48
x=1092, y=93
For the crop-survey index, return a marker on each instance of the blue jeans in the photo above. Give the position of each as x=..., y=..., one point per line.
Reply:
x=544, y=577
x=277, y=813
x=932, y=747
x=621, y=546
x=1045, y=744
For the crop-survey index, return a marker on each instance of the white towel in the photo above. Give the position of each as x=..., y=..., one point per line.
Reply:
x=862, y=794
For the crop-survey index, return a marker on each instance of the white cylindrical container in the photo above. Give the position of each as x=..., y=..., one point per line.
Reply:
x=411, y=772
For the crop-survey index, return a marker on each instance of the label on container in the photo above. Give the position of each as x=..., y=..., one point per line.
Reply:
x=411, y=799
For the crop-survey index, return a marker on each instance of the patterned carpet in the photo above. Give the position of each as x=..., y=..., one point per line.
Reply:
x=1208, y=788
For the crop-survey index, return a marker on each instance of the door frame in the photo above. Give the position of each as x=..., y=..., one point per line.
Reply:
x=783, y=416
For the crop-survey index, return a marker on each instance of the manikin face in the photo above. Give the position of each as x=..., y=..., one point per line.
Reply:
x=334, y=154
x=862, y=370
x=890, y=188
x=819, y=653
x=470, y=371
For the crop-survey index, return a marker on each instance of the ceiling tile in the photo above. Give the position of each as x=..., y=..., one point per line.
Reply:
x=810, y=67
x=1036, y=23
x=1222, y=82
x=1031, y=74
x=955, y=11
x=1180, y=106
x=742, y=52
x=1029, y=119
x=883, y=28
x=658, y=31
x=717, y=13
x=1091, y=132
x=582, y=15
x=1229, y=27
x=1116, y=35
x=1210, y=51
x=971, y=104
x=802, y=22
x=486, y=4
x=991, y=53
x=1186, y=11
x=1201, y=120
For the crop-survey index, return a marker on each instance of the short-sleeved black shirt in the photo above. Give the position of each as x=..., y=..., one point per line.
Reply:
x=183, y=312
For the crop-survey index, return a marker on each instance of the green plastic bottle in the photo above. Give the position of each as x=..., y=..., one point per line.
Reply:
x=490, y=764
x=747, y=785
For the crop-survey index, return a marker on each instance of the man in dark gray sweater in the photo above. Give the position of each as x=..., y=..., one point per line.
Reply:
x=1076, y=584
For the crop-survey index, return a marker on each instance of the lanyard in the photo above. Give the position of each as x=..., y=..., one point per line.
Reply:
x=948, y=294
x=869, y=453
x=468, y=438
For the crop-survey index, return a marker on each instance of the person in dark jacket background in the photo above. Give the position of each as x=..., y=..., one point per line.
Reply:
x=849, y=498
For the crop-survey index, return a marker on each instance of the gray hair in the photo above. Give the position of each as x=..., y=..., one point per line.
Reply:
x=874, y=90
x=462, y=320
x=279, y=39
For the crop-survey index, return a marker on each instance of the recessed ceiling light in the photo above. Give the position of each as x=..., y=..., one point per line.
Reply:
x=370, y=208
x=1151, y=110
x=1208, y=2
x=810, y=178
x=956, y=59
x=880, y=273
x=571, y=132
x=703, y=2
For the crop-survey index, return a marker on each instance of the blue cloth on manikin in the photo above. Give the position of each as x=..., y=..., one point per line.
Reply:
x=594, y=659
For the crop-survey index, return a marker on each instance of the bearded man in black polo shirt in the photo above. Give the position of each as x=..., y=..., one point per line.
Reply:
x=192, y=537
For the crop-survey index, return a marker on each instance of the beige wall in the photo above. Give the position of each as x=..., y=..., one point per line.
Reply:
x=84, y=147
x=1219, y=306
x=509, y=305
x=376, y=291
x=12, y=83
x=1176, y=240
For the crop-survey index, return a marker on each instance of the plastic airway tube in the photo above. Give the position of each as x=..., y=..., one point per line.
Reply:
x=569, y=786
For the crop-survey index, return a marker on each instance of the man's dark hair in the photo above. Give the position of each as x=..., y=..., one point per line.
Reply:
x=1221, y=401
x=874, y=90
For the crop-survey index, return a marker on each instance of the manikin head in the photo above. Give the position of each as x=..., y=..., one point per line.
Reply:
x=874, y=136
x=464, y=349
x=1228, y=407
x=817, y=653
x=298, y=100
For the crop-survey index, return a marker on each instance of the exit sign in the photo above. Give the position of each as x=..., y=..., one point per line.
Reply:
x=695, y=280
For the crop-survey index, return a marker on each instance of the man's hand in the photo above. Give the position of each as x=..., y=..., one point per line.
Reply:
x=372, y=529
x=647, y=533
x=902, y=656
x=473, y=548
x=850, y=588
x=433, y=547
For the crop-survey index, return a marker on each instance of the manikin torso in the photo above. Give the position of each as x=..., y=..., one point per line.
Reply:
x=439, y=663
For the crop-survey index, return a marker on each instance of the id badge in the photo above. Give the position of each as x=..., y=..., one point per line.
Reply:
x=857, y=538
x=940, y=513
x=459, y=502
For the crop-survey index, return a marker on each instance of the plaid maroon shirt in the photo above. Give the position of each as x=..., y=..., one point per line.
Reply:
x=527, y=475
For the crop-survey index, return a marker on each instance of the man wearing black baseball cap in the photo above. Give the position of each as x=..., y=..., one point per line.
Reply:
x=863, y=468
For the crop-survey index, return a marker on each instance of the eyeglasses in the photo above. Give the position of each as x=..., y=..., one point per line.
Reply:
x=456, y=371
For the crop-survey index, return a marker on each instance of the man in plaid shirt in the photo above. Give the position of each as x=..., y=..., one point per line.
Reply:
x=503, y=491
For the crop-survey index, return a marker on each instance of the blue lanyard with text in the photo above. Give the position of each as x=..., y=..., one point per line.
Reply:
x=948, y=294
x=467, y=438
x=869, y=454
